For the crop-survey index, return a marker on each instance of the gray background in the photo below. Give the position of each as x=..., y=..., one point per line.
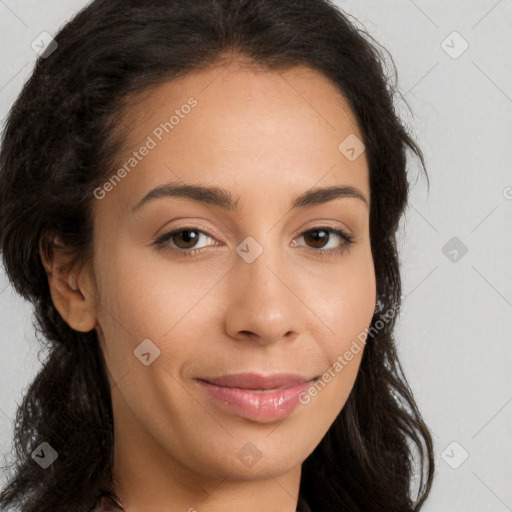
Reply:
x=453, y=334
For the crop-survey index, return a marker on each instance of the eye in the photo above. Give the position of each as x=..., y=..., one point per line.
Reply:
x=320, y=237
x=184, y=240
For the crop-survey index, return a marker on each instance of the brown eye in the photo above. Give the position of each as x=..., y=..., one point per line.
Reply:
x=185, y=238
x=317, y=238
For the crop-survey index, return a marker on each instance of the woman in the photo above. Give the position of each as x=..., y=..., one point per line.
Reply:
x=201, y=200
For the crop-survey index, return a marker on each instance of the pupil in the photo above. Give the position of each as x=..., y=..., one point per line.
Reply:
x=185, y=235
x=317, y=234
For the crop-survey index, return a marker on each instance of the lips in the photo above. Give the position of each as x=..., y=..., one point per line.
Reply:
x=257, y=381
x=256, y=397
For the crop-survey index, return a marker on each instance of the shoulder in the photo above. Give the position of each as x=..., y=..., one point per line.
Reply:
x=302, y=504
x=106, y=502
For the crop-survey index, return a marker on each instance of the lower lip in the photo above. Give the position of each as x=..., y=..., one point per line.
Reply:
x=256, y=406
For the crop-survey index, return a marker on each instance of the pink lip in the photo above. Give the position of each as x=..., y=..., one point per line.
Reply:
x=257, y=397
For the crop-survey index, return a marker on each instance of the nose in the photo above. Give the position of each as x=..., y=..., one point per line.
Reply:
x=263, y=305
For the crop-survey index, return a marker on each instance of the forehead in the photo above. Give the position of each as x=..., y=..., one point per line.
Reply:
x=239, y=124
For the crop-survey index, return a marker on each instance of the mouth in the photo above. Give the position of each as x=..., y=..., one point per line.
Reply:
x=256, y=397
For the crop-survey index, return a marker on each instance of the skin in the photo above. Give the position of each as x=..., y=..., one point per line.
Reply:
x=267, y=137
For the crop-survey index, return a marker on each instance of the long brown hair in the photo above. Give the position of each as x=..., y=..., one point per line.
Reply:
x=60, y=142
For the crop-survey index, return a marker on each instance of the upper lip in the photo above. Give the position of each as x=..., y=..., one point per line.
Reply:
x=258, y=381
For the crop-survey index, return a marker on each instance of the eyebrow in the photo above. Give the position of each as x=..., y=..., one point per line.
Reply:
x=222, y=198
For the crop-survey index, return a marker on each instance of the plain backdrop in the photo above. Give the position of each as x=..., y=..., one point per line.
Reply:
x=455, y=72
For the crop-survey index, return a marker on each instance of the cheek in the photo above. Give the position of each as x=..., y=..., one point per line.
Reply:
x=139, y=294
x=345, y=302
x=141, y=299
x=346, y=306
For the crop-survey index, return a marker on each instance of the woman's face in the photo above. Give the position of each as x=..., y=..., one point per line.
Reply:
x=265, y=294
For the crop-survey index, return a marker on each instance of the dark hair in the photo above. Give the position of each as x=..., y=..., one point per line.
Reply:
x=61, y=140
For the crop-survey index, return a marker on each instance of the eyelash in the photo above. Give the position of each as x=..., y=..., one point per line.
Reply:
x=162, y=241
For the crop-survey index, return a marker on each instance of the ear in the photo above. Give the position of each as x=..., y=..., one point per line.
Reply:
x=71, y=287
